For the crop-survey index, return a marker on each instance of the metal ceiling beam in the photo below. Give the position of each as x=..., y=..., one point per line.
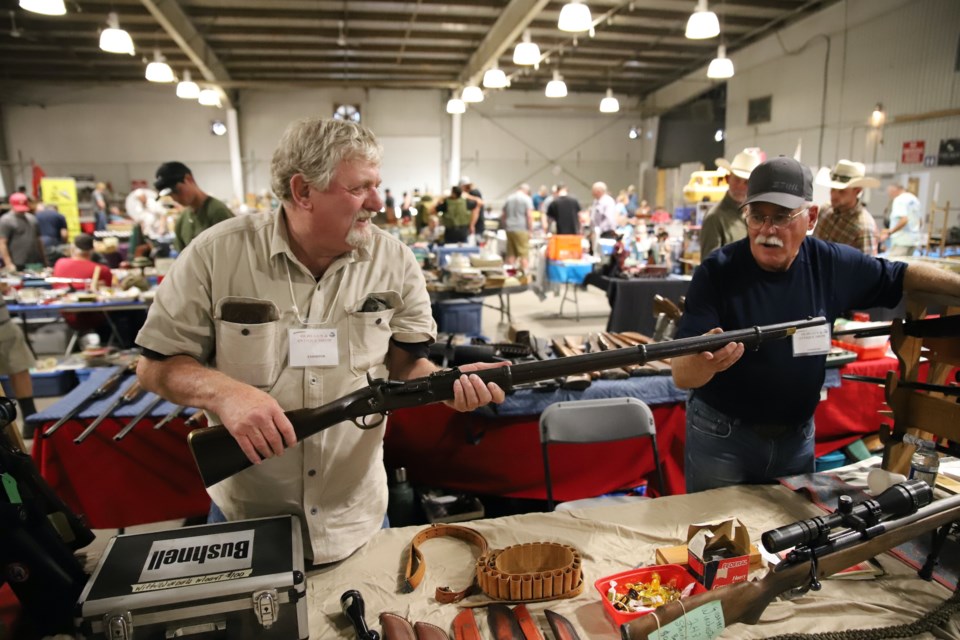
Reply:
x=504, y=32
x=178, y=26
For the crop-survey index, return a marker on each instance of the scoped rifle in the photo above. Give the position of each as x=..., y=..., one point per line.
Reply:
x=218, y=455
x=898, y=515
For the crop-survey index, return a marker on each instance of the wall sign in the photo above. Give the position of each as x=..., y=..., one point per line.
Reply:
x=912, y=152
x=949, y=152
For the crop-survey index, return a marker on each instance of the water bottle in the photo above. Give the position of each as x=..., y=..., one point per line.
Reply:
x=925, y=463
x=401, y=509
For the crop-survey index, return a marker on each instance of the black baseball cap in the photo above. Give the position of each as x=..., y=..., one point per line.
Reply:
x=169, y=175
x=782, y=181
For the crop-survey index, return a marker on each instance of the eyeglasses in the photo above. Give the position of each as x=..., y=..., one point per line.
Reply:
x=756, y=221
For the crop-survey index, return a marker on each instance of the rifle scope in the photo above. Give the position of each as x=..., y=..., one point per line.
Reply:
x=899, y=500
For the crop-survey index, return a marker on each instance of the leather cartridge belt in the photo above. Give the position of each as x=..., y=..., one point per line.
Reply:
x=523, y=573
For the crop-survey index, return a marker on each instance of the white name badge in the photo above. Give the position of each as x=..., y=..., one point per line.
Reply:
x=811, y=341
x=313, y=348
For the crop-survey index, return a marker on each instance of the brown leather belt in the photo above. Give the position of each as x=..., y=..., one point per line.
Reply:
x=417, y=566
x=528, y=572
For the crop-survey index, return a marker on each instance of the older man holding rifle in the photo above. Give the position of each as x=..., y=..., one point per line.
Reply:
x=750, y=415
x=263, y=314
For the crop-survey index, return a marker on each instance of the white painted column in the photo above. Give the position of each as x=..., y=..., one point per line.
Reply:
x=236, y=163
x=456, y=126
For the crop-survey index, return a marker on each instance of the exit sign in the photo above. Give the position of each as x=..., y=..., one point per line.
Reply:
x=912, y=152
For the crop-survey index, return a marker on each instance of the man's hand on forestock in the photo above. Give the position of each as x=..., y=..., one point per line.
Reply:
x=469, y=392
x=255, y=419
x=723, y=358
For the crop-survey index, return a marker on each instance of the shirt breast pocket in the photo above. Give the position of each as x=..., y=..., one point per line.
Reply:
x=248, y=339
x=370, y=331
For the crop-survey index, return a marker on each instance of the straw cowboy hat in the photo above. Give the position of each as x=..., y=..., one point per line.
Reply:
x=848, y=174
x=743, y=163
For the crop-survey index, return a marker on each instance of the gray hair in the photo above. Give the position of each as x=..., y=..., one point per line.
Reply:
x=315, y=147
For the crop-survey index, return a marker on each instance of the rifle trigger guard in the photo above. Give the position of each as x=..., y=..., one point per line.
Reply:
x=364, y=424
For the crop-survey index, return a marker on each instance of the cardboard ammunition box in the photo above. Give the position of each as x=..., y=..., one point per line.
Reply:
x=719, y=554
x=240, y=580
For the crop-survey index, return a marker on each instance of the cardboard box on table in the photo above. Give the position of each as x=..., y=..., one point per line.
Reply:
x=730, y=535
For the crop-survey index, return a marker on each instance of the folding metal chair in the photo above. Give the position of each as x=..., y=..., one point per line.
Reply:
x=603, y=420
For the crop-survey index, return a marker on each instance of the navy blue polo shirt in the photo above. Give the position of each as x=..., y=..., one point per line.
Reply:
x=729, y=290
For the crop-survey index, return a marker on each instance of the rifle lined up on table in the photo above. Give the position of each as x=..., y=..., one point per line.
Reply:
x=900, y=514
x=218, y=456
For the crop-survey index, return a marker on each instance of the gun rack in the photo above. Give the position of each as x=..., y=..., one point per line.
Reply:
x=924, y=414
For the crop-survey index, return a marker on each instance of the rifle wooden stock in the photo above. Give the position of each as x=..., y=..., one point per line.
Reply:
x=745, y=602
x=218, y=456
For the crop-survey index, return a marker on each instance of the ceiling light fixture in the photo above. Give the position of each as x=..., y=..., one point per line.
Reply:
x=455, y=105
x=209, y=98
x=113, y=39
x=879, y=116
x=472, y=93
x=526, y=53
x=494, y=78
x=718, y=136
x=44, y=7
x=703, y=23
x=575, y=17
x=721, y=66
x=187, y=88
x=159, y=70
x=556, y=88
x=609, y=104
x=633, y=133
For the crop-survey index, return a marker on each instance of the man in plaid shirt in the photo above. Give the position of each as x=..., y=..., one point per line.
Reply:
x=846, y=220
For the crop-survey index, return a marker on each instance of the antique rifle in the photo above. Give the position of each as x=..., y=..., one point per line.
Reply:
x=105, y=389
x=900, y=514
x=218, y=456
x=129, y=395
x=137, y=418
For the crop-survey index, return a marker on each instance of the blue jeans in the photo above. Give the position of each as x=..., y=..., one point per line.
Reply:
x=723, y=451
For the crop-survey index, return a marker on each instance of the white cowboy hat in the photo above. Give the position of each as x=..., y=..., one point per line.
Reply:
x=743, y=163
x=848, y=174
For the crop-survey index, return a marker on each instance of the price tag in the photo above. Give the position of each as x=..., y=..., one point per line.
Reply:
x=11, y=488
x=811, y=341
x=313, y=348
x=703, y=623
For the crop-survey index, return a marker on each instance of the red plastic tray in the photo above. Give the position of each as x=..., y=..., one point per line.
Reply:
x=667, y=573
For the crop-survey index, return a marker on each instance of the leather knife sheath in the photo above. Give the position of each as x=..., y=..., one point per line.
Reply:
x=502, y=623
x=465, y=626
x=527, y=624
x=396, y=627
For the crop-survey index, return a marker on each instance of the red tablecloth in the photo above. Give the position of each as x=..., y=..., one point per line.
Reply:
x=473, y=454
x=149, y=476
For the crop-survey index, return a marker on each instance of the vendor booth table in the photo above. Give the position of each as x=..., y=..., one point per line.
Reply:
x=150, y=476
x=613, y=539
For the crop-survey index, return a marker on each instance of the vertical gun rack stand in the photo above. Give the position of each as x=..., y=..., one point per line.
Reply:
x=924, y=414
x=944, y=231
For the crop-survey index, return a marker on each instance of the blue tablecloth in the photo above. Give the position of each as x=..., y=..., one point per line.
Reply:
x=82, y=392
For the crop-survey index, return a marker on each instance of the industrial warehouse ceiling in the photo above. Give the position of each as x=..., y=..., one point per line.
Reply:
x=638, y=46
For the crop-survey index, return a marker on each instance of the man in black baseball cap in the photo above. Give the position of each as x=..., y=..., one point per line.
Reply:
x=169, y=175
x=201, y=211
x=750, y=414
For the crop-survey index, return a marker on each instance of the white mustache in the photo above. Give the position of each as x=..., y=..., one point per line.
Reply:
x=769, y=241
x=363, y=215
